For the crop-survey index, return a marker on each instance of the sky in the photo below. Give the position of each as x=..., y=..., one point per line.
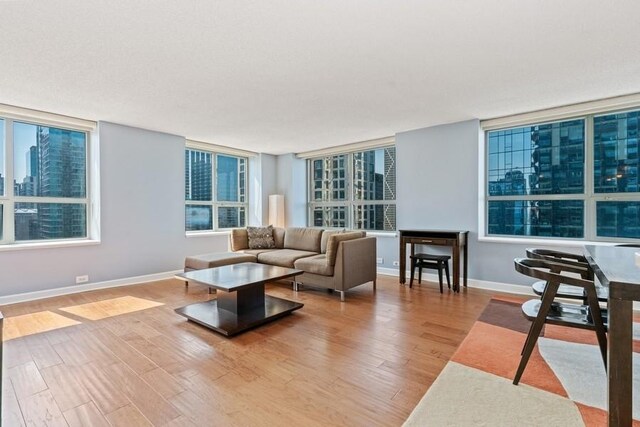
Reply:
x=24, y=136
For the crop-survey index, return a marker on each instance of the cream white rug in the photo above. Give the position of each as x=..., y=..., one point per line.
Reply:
x=464, y=396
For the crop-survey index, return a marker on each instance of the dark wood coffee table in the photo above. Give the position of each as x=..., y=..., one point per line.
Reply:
x=241, y=303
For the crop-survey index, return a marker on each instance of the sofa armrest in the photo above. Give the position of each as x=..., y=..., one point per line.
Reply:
x=356, y=262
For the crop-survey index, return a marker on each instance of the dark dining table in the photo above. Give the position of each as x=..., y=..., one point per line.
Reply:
x=618, y=268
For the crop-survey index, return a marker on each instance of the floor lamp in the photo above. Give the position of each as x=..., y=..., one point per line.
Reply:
x=276, y=210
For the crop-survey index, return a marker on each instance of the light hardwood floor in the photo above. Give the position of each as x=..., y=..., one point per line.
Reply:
x=364, y=362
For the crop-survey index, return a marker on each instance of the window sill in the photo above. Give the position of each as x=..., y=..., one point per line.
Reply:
x=48, y=245
x=543, y=242
x=190, y=234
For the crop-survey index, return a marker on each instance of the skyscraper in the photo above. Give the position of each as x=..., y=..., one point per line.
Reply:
x=231, y=187
x=537, y=160
x=197, y=167
x=366, y=186
x=56, y=167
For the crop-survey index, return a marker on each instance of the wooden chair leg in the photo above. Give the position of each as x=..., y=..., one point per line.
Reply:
x=440, y=276
x=596, y=315
x=536, y=329
x=526, y=341
x=419, y=274
x=446, y=270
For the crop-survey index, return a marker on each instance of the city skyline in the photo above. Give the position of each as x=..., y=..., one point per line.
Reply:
x=372, y=178
x=550, y=160
x=53, y=165
x=230, y=185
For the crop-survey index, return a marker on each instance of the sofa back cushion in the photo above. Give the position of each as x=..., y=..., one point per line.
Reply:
x=239, y=239
x=261, y=237
x=278, y=236
x=303, y=239
x=334, y=242
x=325, y=239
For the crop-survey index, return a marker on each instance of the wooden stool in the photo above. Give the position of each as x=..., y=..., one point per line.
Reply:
x=435, y=262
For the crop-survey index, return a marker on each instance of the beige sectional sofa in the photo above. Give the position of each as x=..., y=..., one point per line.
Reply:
x=332, y=259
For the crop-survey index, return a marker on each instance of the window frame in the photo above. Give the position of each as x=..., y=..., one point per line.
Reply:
x=589, y=197
x=8, y=200
x=214, y=203
x=350, y=202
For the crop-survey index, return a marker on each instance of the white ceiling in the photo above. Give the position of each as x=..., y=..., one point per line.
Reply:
x=289, y=76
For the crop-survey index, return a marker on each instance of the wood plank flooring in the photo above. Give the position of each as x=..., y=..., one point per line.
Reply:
x=366, y=362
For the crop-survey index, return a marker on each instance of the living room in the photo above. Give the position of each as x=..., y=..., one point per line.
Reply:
x=249, y=100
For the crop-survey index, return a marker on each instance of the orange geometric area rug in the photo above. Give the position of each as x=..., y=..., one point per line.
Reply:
x=564, y=383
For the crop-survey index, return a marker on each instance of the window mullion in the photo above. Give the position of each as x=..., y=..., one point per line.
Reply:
x=590, y=205
x=61, y=200
x=350, y=191
x=9, y=206
x=214, y=186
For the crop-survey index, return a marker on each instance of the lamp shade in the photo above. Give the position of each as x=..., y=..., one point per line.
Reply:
x=276, y=210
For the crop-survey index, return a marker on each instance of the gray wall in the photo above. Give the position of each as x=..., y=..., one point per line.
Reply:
x=142, y=219
x=262, y=182
x=292, y=182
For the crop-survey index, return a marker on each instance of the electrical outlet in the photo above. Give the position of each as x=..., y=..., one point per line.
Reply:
x=380, y=260
x=396, y=263
x=82, y=279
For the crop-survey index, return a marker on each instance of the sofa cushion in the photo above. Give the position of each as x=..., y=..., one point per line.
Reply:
x=199, y=262
x=315, y=264
x=334, y=241
x=256, y=252
x=278, y=237
x=261, y=237
x=283, y=257
x=239, y=239
x=303, y=239
x=325, y=238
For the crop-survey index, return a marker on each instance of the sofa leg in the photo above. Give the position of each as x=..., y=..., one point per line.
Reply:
x=342, y=295
x=296, y=286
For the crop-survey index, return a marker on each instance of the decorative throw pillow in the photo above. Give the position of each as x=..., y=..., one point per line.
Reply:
x=261, y=237
x=325, y=238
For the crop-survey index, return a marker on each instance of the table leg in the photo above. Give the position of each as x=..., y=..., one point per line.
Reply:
x=243, y=300
x=620, y=362
x=456, y=267
x=403, y=260
x=466, y=261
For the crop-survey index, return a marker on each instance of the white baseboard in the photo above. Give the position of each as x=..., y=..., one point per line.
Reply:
x=48, y=293
x=473, y=283
x=480, y=284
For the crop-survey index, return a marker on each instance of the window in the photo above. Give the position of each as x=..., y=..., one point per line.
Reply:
x=355, y=190
x=215, y=190
x=573, y=179
x=43, y=182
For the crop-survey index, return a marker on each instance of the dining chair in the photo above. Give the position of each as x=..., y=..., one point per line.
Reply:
x=547, y=310
x=563, y=259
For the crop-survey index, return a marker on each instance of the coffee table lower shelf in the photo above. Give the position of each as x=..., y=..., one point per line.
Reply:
x=227, y=323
